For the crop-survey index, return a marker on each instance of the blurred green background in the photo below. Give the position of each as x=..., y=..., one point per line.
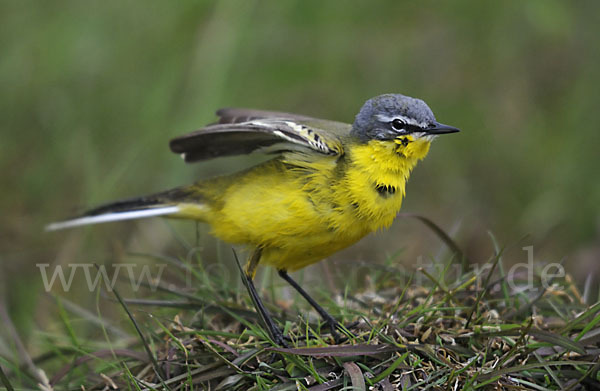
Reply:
x=91, y=92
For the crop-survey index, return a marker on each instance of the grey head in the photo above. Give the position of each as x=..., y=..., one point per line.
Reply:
x=389, y=116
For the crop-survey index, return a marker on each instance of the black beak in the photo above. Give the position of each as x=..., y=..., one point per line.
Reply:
x=438, y=128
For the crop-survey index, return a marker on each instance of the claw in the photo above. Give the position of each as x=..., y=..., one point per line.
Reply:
x=335, y=326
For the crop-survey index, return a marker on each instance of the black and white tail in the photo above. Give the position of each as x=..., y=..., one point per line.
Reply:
x=162, y=204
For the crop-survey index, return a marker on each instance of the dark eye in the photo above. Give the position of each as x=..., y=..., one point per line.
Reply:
x=398, y=124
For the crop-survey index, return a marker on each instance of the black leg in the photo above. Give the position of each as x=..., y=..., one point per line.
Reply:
x=330, y=320
x=273, y=329
x=247, y=278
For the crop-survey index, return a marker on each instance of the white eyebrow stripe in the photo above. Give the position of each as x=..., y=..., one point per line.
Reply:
x=410, y=121
x=386, y=118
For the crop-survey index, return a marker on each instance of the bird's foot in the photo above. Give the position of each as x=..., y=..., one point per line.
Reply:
x=335, y=326
x=279, y=338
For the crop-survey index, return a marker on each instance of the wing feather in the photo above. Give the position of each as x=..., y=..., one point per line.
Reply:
x=243, y=131
x=232, y=115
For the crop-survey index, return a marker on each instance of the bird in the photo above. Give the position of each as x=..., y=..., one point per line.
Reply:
x=327, y=185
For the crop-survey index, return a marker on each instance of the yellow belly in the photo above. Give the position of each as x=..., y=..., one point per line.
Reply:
x=303, y=212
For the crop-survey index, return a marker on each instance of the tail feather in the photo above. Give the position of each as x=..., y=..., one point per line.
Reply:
x=161, y=204
x=112, y=216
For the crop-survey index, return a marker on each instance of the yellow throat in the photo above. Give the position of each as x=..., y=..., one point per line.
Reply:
x=383, y=166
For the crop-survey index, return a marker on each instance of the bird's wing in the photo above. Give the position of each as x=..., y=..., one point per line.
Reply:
x=233, y=115
x=243, y=131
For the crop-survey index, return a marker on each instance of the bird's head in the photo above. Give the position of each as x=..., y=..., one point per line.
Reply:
x=397, y=118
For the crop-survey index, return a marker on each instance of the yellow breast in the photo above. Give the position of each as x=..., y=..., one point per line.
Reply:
x=376, y=178
x=302, y=210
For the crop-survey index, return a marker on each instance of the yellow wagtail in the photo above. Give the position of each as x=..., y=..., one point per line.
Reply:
x=329, y=184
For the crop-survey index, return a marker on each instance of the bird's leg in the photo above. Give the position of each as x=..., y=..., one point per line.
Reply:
x=330, y=320
x=247, y=279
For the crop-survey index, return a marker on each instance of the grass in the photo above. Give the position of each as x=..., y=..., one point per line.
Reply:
x=468, y=331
